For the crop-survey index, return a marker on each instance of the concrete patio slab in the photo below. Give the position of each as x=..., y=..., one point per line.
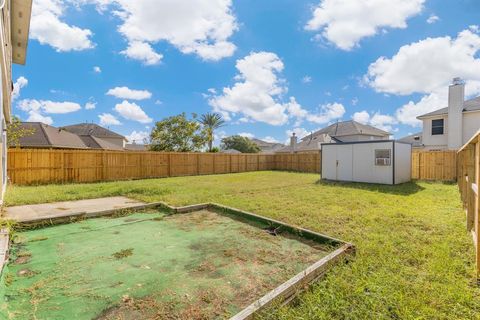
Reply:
x=90, y=207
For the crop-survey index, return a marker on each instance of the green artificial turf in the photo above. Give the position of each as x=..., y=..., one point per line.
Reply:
x=200, y=265
x=414, y=258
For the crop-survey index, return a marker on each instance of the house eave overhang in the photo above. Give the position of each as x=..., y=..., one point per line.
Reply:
x=20, y=26
x=432, y=116
x=444, y=114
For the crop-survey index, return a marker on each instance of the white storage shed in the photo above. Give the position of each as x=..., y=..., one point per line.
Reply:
x=380, y=161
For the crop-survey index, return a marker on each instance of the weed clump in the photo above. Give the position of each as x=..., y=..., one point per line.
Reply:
x=123, y=253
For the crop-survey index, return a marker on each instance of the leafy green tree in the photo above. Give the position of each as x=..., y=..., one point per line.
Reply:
x=211, y=122
x=239, y=143
x=15, y=131
x=179, y=134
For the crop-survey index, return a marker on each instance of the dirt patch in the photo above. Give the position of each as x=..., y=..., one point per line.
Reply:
x=22, y=260
x=123, y=253
x=27, y=273
x=205, y=304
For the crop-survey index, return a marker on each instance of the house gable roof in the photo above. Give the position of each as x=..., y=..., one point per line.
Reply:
x=98, y=143
x=348, y=128
x=50, y=137
x=92, y=129
x=468, y=106
x=267, y=146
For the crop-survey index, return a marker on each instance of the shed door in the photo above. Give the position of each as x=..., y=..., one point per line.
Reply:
x=344, y=162
x=329, y=162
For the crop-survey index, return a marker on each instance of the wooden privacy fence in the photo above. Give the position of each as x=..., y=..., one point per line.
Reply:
x=37, y=166
x=468, y=182
x=434, y=165
x=40, y=166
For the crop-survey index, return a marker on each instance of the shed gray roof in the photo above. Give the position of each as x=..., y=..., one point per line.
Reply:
x=92, y=129
x=414, y=139
x=348, y=128
x=469, y=105
x=45, y=136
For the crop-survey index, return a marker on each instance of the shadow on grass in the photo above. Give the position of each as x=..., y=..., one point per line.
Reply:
x=403, y=189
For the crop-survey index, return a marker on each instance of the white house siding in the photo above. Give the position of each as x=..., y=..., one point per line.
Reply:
x=471, y=125
x=434, y=141
x=403, y=162
x=364, y=167
x=356, y=162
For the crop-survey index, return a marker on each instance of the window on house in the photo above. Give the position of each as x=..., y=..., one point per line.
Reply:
x=437, y=127
x=383, y=157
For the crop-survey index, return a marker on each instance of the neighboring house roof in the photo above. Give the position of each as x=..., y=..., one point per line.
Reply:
x=334, y=133
x=267, y=146
x=349, y=128
x=92, y=129
x=309, y=143
x=98, y=143
x=468, y=106
x=45, y=136
x=136, y=147
x=232, y=151
x=414, y=139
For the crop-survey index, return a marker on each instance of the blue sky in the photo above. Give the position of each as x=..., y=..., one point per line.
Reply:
x=270, y=67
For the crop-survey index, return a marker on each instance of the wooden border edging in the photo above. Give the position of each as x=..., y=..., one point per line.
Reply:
x=4, y=246
x=281, y=295
x=288, y=290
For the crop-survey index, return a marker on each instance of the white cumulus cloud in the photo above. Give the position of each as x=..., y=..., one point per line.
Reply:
x=107, y=119
x=247, y=135
x=48, y=106
x=270, y=139
x=257, y=91
x=327, y=113
x=130, y=94
x=432, y=19
x=200, y=27
x=381, y=121
x=132, y=111
x=17, y=86
x=142, y=51
x=427, y=67
x=344, y=23
x=35, y=116
x=299, y=132
x=138, y=137
x=47, y=27
x=90, y=105
x=258, y=95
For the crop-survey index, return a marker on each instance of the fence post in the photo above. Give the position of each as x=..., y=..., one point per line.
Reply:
x=476, y=205
x=169, y=164
x=198, y=163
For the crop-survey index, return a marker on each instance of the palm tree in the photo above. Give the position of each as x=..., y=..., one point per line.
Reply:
x=211, y=122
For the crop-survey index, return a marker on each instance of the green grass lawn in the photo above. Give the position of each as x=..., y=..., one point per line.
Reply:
x=414, y=258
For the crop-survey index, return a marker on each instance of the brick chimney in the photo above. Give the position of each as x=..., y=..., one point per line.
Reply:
x=293, y=143
x=454, y=125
